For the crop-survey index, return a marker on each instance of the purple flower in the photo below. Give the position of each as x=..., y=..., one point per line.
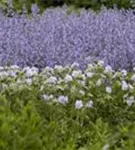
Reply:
x=55, y=38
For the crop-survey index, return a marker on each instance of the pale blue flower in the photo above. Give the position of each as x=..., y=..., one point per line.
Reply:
x=130, y=100
x=108, y=89
x=124, y=86
x=46, y=97
x=29, y=72
x=1, y=68
x=89, y=104
x=63, y=99
x=124, y=72
x=78, y=104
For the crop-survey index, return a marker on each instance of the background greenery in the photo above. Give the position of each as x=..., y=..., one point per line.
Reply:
x=18, y=5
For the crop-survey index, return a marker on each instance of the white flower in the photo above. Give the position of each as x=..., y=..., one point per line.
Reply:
x=83, y=77
x=124, y=86
x=41, y=88
x=82, y=83
x=89, y=104
x=78, y=104
x=99, y=82
x=14, y=67
x=124, y=72
x=74, y=65
x=52, y=80
x=48, y=69
x=26, y=68
x=58, y=67
x=131, y=87
x=108, y=69
x=76, y=73
x=19, y=81
x=89, y=74
x=68, y=78
x=63, y=99
x=108, y=89
x=47, y=97
x=3, y=74
x=117, y=74
x=90, y=66
x=101, y=63
x=29, y=81
x=51, y=96
x=106, y=147
x=130, y=100
x=35, y=69
x=133, y=77
x=4, y=86
x=82, y=92
x=13, y=85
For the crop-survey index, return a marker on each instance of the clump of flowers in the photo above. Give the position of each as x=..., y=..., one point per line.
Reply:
x=69, y=85
x=56, y=38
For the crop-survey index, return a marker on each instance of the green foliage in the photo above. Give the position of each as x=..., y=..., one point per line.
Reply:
x=19, y=127
x=31, y=121
x=96, y=4
x=18, y=5
x=3, y=4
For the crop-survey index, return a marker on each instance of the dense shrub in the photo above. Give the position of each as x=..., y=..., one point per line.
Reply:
x=18, y=5
x=96, y=4
x=20, y=125
x=58, y=38
x=67, y=109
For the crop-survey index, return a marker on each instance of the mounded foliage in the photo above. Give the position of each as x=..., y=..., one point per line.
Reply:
x=65, y=108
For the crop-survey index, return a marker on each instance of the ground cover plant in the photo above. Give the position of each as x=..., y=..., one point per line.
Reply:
x=65, y=108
